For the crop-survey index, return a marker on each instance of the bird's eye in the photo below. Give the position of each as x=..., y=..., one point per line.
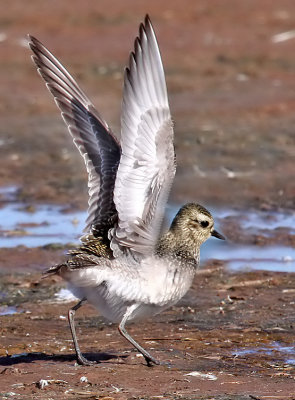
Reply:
x=204, y=224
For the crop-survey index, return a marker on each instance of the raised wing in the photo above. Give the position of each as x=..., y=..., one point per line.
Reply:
x=147, y=165
x=91, y=135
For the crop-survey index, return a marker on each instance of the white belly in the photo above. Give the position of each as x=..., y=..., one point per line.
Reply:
x=153, y=285
x=113, y=307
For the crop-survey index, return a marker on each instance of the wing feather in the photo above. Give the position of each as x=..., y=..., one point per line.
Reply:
x=147, y=165
x=91, y=134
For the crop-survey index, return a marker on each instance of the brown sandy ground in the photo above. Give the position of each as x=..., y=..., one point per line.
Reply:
x=232, y=94
x=230, y=80
x=200, y=338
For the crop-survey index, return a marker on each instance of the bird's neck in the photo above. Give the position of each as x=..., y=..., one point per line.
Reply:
x=173, y=243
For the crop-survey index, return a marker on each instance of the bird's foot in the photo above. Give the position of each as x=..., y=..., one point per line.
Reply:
x=81, y=360
x=151, y=361
x=166, y=364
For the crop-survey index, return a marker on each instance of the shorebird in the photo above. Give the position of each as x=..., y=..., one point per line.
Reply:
x=124, y=266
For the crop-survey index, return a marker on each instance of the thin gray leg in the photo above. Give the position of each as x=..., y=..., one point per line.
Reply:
x=71, y=314
x=148, y=358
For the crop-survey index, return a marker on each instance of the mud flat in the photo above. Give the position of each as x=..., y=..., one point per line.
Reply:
x=231, y=337
x=233, y=333
x=230, y=69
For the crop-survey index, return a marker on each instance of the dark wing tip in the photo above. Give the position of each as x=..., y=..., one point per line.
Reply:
x=147, y=19
x=137, y=45
x=148, y=24
x=36, y=47
x=141, y=30
x=127, y=73
x=33, y=42
x=30, y=38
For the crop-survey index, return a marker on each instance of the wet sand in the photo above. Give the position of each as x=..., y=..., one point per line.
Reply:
x=232, y=335
x=232, y=94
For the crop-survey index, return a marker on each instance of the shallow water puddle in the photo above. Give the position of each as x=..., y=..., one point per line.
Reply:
x=257, y=220
x=243, y=257
x=8, y=310
x=36, y=225
x=64, y=296
x=274, y=349
x=267, y=224
x=40, y=225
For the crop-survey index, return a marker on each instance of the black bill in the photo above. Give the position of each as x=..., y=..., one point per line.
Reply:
x=217, y=235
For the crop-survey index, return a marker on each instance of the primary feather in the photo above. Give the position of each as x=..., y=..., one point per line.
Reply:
x=91, y=134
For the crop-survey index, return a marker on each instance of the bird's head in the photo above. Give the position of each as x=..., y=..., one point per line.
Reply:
x=194, y=223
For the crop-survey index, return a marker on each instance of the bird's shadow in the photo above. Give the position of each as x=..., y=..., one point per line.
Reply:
x=39, y=356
